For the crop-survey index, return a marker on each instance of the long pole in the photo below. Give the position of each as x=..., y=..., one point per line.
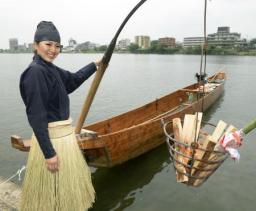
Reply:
x=100, y=72
x=249, y=127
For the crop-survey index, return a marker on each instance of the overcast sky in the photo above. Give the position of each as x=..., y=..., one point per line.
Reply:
x=98, y=20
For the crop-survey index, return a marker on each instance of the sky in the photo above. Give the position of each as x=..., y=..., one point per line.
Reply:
x=98, y=20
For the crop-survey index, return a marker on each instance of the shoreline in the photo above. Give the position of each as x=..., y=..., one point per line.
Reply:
x=10, y=195
x=185, y=54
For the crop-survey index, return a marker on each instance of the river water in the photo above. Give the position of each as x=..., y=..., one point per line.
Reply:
x=148, y=182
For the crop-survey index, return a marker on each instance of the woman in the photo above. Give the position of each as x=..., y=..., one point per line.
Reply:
x=57, y=176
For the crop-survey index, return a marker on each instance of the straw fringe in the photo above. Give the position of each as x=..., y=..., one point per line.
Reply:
x=69, y=189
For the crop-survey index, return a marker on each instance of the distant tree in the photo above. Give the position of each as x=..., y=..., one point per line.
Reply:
x=103, y=48
x=192, y=50
x=153, y=45
x=133, y=48
x=252, y=43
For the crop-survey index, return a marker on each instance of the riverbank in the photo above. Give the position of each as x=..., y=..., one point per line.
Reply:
x=10, y=195
x=172, y=51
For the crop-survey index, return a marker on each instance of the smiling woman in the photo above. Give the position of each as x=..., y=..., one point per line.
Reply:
x=47, y=41
x=55, y=157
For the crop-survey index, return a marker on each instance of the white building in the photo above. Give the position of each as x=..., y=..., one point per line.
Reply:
x=193, y=41
x=86, y=46
x=72, y=43
x=123, y=44
x=13, y=44
x=225, y=38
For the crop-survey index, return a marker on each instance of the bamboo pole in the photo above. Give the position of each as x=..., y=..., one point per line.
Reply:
x=249, y=127
x=100, y=72
x=90, y=96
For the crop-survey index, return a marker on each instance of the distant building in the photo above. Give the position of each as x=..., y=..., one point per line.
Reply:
x=124, y=44
x=225, y=38
x=72, y=43
x=30, y=47
x=22, y=48
x=167, y=41
x=85, y=46
x=193, y=41
x=13, y=44
x=143, y=41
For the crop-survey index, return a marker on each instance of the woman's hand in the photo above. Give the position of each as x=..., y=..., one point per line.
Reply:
x=52, y=164
x=97, y=63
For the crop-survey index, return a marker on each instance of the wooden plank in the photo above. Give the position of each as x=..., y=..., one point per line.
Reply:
x=192, y=124
x=209, y=144
x=213, y=157
x=218, y=131
x=188, y=126
x=187, y=133
x=177, y=130
x=198, y=119
x=190, y=131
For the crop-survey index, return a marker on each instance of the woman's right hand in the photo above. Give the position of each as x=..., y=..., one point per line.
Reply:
x=52, y=164
x=98, y=62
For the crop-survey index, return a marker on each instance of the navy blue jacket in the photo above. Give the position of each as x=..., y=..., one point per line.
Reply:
x=44, y=89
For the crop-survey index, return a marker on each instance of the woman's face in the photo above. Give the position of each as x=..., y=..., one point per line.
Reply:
x=48, y=50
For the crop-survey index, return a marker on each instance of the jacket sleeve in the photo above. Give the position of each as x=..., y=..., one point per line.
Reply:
x=34, y=93
x=73, y=80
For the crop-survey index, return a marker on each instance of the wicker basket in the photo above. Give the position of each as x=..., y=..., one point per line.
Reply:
x=195, y=169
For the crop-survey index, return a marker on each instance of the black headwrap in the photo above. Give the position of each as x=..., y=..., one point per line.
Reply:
x=46, y=31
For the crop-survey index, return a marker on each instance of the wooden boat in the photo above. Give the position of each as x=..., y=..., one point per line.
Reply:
x=126, y=136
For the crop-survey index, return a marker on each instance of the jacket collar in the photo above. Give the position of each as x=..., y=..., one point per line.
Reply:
x=40, y=60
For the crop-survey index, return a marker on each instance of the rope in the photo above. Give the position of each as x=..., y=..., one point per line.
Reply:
x=18, y=173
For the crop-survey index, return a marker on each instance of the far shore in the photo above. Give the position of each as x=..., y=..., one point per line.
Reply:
x=241, y=53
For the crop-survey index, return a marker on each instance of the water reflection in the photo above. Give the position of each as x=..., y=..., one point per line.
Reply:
x=209, y=114
x=116, y=188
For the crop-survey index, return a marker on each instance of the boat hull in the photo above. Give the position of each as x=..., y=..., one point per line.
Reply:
x=118, y=147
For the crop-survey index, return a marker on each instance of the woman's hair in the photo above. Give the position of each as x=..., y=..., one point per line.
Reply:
x=34, y=50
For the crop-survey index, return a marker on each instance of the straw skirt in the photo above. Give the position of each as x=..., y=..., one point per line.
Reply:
x=68, y=189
